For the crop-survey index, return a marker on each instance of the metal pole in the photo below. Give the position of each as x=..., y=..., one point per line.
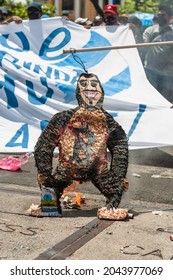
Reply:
x=142, y=45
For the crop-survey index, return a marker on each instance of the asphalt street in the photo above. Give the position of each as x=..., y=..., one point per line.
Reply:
x=79, y=235
x=143, y=164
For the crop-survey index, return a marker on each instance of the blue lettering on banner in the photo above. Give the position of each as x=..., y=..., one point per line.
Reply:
x=32, y=95
x=2, y=54
x=88, y=59
x=24, y=131
x=48, y=72
x=9, y=87
x=27, y=65
x=142, y=109
x=45, y=49
x=14, y=60
x=24, y=40
x=21, y=36
x=24, y=144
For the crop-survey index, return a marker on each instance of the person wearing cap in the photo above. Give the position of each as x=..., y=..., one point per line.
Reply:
x=84, y=22
x=65, y=14
x=81, y=20
x=4, y=17
x=111, y=14
x=98, y=20
x=34, y=11
x=3, y=14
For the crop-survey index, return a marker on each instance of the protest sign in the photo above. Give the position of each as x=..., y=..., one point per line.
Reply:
x=38, y=80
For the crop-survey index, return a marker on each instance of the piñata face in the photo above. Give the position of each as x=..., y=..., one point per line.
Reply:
x=90, y=89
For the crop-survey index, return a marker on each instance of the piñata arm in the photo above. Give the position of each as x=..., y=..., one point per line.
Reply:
x=113, y=182
x=118, y=146
x=46, y=144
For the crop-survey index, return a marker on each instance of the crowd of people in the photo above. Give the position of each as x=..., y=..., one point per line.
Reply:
x=157, y=59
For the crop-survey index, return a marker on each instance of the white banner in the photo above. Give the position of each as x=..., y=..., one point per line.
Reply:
x=38, y=80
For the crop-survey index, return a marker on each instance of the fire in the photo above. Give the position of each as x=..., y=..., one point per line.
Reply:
x=78, y=199
x=70, y=201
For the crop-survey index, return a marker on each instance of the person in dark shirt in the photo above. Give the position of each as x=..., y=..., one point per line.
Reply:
x=158, y=62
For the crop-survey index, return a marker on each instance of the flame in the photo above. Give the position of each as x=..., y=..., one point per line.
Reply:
x=78, y=199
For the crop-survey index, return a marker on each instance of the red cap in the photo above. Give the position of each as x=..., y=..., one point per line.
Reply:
x=111, y=8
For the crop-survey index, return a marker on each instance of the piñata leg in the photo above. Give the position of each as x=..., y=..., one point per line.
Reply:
x=112, y=188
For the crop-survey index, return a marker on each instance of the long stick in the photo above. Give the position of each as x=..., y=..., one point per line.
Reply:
x=142, y=45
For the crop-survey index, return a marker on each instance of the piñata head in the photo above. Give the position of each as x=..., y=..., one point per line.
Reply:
x=89, y=91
